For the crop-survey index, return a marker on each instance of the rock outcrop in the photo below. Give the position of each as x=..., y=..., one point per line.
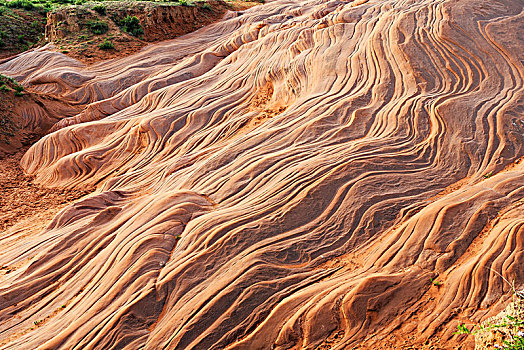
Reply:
x=292, y=176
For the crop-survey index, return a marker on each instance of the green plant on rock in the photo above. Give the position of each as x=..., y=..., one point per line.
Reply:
x=517, y=342
x=435, y=282
x=462, y=329
x=511, y=324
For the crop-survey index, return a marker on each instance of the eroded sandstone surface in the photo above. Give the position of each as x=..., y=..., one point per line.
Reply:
x=294, y=176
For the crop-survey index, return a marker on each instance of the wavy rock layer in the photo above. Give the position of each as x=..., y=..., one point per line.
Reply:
x=291, y=177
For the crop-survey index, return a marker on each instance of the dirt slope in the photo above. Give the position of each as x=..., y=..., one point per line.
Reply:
x=70, y=29
x=293, y=177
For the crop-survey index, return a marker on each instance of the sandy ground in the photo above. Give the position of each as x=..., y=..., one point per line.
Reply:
x=22, y=199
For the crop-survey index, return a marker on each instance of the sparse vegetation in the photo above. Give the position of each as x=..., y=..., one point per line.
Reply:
x=21, y=4
x=101, y=9
x=106, y=45
x=24, y=21
x=435, y=282
x=8, y=84
x=18, y=90
x=462, y=329
x=131, y=25
x=98, y=27
x=510, y=325
x=20, y=25
x=513, y=325
x=517, y=342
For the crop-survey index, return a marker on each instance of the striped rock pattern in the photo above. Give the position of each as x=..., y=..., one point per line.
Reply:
x=291, y=176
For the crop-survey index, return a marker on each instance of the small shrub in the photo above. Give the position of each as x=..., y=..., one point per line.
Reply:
x=4, y=88
x=184, y=2
x=132, y=26
x=98, y=27
x=462, y=329
x=435, y=282
x=101, y=9
x=206, y=6
x=106, y=45
x=510, y=326
x=47, y=7
x=18, y=89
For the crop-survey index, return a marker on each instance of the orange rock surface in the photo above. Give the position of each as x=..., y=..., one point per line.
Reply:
x=291, y=177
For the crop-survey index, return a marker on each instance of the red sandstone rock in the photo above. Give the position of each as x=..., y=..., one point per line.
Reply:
x=288, y=178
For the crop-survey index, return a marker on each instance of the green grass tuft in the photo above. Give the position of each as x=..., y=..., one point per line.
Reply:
x=106, y=45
